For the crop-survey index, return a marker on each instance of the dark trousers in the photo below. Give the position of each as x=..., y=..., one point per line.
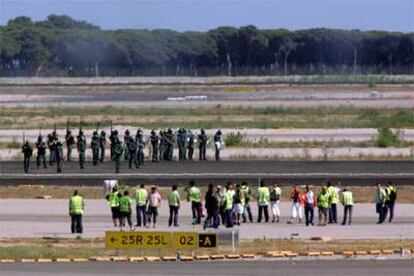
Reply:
x=212, y=219
x=202, y=152
x=102, y=151
x=154, y=153
x=41, y=159
x=390, y=207
x=263, y=209
x=196, y=210
x=95, y=156
x=82, y=159
x=309, y=213
x=217, y=155
x=125, y=216
x=69, y=153
x=380, y=209
x=347, y=211
x=59, y=164
x=132, y=159
x=26, y=164
x=181, y=152
x=140, y=156
x=141, y=216
x=76, y=224
x=248, y=211
x=52, y=156
x=190, y=153
x=173, y=216
x=333, y=213
x=117, y=163
x=229, y=218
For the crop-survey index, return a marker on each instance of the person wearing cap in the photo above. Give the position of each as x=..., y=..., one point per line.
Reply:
x=153, y=202
x=202, y=144
x=27, y=151
x=174, y=204
x=102, y=145
x=95, y=145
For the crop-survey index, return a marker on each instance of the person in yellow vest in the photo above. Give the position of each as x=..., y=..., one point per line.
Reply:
x=248, y=196
x=113, y=201
x=125, y=210
x=263, y=198
x=239, y=199
x=76, y=208
x=141, y=196
x=174, y=203
x=348, y=203
x=323, y=205
x=194, y=197
x=228, y=205
x=391, y=198
x=333, y=201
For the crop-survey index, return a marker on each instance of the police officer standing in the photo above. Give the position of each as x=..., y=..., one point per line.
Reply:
x=27, y=153
x=139, y=140
x=76, y=208
x=181, y=137
x=81, y=145
x=95, y=145
x=59, y=156
x=169, y=139
x=162, y=145
x=50, y=145
x=202, y=144
x=41, y=152
x=70, y=142
x=190, y=144
x=154, y=143
x=132, y=148
x=126, y=138
x=118, y=150
x=102, y=145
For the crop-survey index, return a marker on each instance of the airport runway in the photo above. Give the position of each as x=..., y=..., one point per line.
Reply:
x=27, y=218
x=165, y=173
x=219, y=268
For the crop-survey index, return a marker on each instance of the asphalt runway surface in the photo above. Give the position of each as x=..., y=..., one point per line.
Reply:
x=166, y=173
x=219, y=268
x=36, y=218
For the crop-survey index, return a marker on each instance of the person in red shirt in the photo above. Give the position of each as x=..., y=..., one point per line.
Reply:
x=297, y=202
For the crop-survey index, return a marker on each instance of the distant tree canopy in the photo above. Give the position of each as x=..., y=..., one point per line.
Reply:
x=62, y=46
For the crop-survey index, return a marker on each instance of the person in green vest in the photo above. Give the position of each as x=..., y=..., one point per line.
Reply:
x=380, y=198
x=391, y=198
x=263, y=198
x=194, y=197
x=239, y=200
x=333, y=202
x=323, y=205
x=228, y=205
x=76, y=208
x=347, y=202
x=141, y=196
x=174, y=203
x=113, y=202
x=125, y=210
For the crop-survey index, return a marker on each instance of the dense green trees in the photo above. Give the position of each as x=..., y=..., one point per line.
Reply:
x=62, y=46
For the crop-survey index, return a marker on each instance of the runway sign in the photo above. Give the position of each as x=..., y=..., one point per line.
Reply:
x=207, y=240
x=140, y=240
x=159, y=240
x=185, y=240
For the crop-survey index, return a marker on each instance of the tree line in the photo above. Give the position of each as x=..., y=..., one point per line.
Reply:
x=62, y=46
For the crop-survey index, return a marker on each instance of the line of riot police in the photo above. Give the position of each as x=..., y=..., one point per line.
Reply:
x=130, y=150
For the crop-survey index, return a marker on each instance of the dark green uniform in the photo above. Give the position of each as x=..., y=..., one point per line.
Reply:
x=102, y=144
x=51, y=146
x=162, y=145
x=181, y=141
x=59, y=156
x=169, y=139
x=81, y=145
x=132, y=148
x=139, y=140
x=95, y=145
x=126, y=138
x=41, y=152
x=202, y=144
x=112, y=138
x=118, y=150
x=70, y=142
x=155, y=145
x=27, y=153
x=190, y=144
